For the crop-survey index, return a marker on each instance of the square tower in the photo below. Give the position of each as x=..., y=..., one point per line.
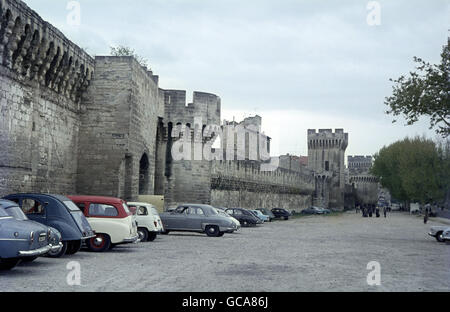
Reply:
x=326, y=156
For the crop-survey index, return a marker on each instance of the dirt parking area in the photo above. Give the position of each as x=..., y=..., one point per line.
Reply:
x=306, y=254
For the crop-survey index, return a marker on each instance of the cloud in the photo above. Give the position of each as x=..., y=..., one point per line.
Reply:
x=286, y=58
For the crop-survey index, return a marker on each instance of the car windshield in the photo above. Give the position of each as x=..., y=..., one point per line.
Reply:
x=71, y=205
x=3, y=213
x=17, y=213
x=210, y=210
x=221, y=213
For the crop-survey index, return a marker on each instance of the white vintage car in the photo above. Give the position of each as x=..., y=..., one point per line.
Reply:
x=441, y=233
x=148, y=220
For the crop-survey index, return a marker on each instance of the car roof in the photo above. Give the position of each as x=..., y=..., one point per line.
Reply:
x=92, y=198
x=140, y=204
x=55, y=196
x=196, y=205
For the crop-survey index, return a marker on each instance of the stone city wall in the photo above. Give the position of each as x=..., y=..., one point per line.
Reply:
x=42, y=77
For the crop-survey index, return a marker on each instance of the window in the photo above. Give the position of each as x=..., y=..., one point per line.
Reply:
x=199, y=211
x=17, y=213
x=31, y=206
x=180, y=209
x=142, y=211
x=71, y=205
x=82, y=206
x=327, y=166
x=102, y=210
x=3, y=213
x=237, y=212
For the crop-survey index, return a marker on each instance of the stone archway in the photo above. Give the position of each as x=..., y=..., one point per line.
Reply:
x=144, y=178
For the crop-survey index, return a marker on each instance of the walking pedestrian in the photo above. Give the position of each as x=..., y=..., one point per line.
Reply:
x=425, y=218
x=384, y=211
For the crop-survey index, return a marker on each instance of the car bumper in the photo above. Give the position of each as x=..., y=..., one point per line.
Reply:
x=432, y=234
x=35, y=252
x=227, y=229
x=88, y=237
x=131, y=239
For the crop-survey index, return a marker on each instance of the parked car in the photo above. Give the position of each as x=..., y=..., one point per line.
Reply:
x=313, y=210
x=260, y=215
x=20, y=240
x=244, y=216
x=268, y=213
x=197, y=218
x=148, y=221
x=438, y=232
x=222, y=212
x=111, y=220
x=281, y=213
x=54, y=236
x=60, y=213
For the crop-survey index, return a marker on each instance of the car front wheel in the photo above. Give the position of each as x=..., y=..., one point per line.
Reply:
x=439, y=237
x=212, y=230
x=151, y=236
x=99, y=243
x=143, y=234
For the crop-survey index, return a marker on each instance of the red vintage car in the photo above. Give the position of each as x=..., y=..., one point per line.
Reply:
x=111, y=220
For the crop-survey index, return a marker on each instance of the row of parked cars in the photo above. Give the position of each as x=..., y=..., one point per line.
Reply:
x=33, y=225
x=216, y=221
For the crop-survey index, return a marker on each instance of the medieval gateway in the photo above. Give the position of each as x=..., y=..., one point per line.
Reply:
x=74, y=124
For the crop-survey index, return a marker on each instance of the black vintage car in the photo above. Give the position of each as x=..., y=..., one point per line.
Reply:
x=281, y=213
x=244, y=216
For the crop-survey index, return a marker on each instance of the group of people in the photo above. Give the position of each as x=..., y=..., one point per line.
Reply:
x=368, y=210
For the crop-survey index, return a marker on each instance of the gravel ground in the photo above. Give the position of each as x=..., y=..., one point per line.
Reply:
x=305, y=254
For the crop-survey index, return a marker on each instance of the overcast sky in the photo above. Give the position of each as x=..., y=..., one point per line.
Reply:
x=298, y=64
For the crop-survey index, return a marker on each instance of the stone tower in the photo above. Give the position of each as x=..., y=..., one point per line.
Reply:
x=326, y=155
x=365, y=184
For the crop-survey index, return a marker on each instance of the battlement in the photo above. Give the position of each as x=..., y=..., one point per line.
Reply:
x=326, y=138
x=247, y=174
x=359, y=159
x=205, y=105
x=35, y=50
x=326, y=133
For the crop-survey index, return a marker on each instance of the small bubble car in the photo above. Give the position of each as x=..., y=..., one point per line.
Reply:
x=20, y=240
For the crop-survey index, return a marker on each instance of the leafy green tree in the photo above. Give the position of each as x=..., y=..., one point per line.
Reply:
x=425, y=92
x=414, y=170
x=121, y=50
